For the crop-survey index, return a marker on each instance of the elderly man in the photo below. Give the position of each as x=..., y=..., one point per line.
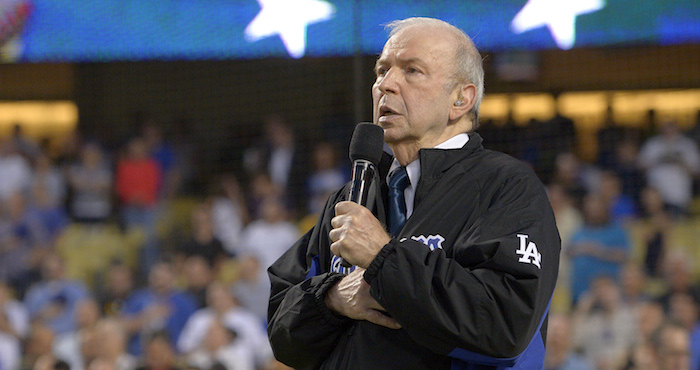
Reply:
x=466, y=281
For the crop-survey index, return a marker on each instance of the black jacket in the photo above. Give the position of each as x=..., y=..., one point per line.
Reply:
x=469, y=279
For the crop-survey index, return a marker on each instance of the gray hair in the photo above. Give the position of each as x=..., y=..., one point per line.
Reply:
x=467, y=60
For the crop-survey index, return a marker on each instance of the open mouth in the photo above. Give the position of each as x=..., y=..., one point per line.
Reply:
x=386, y=111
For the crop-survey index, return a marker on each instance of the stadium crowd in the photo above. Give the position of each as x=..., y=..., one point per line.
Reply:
x=108, y=262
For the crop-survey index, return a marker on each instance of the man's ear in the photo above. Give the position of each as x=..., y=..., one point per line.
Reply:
x=465, y=101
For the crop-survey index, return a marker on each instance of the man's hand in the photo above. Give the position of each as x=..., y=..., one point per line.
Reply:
x=351, y=298
x=357, y=235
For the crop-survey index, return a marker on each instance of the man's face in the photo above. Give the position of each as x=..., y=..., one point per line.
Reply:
x=411, y=97
x=161, y=278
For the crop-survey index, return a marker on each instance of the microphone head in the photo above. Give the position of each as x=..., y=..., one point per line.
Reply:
x=367, y=142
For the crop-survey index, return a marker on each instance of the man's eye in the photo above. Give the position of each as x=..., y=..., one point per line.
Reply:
x=411, y=70
x=381, y=71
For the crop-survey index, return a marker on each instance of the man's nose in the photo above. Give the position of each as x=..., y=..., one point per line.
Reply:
x=388, y=83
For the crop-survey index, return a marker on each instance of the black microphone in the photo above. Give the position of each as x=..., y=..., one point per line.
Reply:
x=366, y=147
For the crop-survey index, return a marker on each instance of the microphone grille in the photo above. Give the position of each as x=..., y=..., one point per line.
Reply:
x=367, y=142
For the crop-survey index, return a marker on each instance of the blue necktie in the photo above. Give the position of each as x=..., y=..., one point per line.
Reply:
x=397, y=202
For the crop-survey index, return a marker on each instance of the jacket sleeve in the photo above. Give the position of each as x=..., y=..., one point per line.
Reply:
x=301, y=328
x=481, y=298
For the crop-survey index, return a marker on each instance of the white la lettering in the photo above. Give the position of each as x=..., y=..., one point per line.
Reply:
x=528, y=251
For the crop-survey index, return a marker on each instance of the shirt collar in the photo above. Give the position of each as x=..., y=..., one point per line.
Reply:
x=456, y=142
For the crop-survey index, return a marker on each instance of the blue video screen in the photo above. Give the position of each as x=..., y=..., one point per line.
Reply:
x=113, y=30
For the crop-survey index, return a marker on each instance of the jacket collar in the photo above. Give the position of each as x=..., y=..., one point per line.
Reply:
x=433, y=162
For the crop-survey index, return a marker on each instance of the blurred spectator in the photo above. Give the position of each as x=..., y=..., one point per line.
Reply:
x=229, y=213
x=203, y=242
x=671, y=160
x=163, y=153
x=252, y=289
x=116, y=287
x=678, y=276
x=609, y=136
x=656, y=231
x=186, y=147
x=137, y=185
x=24, y=145
x=14, y=327
x=49, y=362
x=626, y=168
x=327, y=176
x=554, y=137
x=604, y=328
x=15, y=171
x=70, y=346
x=47, y=211
x=621, y=206
x=695, y=348
x=684, y=310
x=54, y=300
x=280, y=156
x=197, y=274
x=569, y=220
x=632, y=284
x=158, y=353
x=650, y=317
x=50, y=179
x=102, y=364
x=39, y=343
x=694, y=132
x=270, y=236
x=671, y=344
x=260, y=188
x=221, y=347
x=569, y=174
x=111, y=339
x=250, y=341
x=560, y=354
x=88, y=345
x=600, y=247
x=24, y=241
x=568, y=217
x=158, y=307
x=562, y=128
x=69, y=149
x=90, y=182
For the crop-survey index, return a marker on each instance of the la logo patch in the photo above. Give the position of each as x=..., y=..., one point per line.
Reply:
x=528, y=251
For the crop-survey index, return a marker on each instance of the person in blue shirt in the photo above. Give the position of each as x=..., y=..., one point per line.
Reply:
x=599, y=247
x=54, y=300
x=156, y=308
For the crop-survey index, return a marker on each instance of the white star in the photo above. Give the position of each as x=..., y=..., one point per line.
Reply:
x=288, y=19
x=558, y=15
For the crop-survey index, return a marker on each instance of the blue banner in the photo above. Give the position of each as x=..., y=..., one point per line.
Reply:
x=109, y=30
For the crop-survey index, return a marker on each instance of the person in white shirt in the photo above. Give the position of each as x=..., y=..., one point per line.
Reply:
x=112, y=339
x=14, y=326
x=271, y=235
x=671, y=160
x=15, y=171
x=222, y=307
x=222, y=346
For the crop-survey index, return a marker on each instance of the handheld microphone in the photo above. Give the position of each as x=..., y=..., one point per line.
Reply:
x=366, y=147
